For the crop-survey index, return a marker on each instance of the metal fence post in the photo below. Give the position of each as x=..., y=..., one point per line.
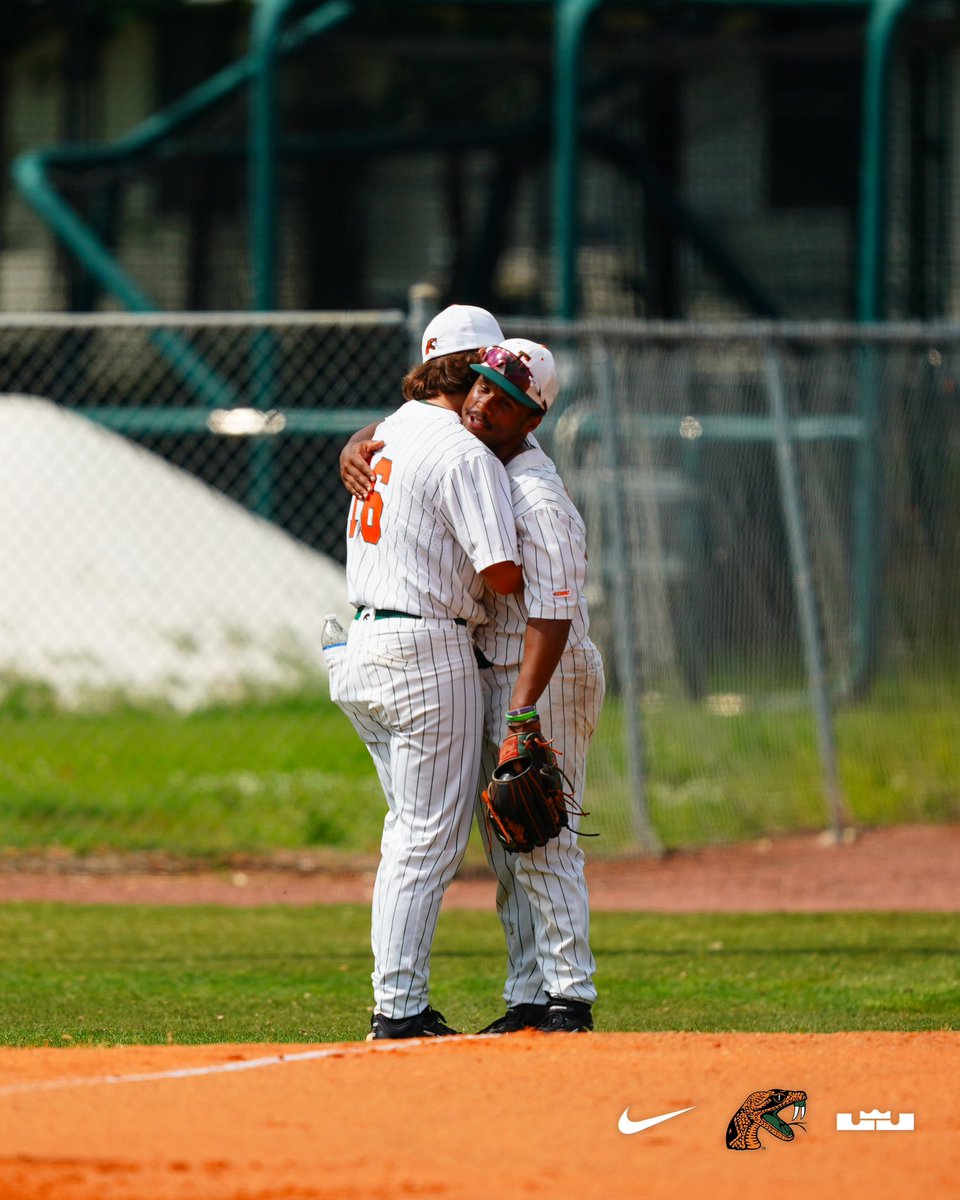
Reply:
x=806, y=599
x=625, y=632
x=424, y=299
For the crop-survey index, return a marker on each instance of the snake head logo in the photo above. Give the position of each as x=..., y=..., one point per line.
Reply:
x=762, y=1112
x=431, y=345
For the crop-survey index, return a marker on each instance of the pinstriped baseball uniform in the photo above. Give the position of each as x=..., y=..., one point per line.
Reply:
x=440, y=513
x=542, y=896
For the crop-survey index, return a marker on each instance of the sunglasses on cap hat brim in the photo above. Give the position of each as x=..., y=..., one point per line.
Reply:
x=508, y=371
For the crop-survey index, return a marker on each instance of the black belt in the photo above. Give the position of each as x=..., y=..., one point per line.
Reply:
x=381, y=614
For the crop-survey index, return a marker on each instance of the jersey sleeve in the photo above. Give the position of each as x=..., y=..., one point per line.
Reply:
x=476, y=502
x=554, y=561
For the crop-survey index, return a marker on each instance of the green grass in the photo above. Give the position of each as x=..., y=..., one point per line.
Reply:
x=717, y=778
x=292, y=774
x=115, y=975
x=268, y=776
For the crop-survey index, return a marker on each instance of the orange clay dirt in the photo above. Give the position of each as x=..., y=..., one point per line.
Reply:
x=526, y=1116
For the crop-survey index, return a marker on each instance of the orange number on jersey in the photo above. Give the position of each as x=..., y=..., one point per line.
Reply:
x=368, y=517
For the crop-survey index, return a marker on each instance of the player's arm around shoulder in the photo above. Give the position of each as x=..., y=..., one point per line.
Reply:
x=355, y=458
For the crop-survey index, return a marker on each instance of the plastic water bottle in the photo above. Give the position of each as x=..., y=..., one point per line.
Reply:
x=333, y=642
x=334, y=636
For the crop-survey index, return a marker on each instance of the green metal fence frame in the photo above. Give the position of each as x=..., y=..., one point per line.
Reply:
x=258, y=69
x=270, y=41
x=882, y=19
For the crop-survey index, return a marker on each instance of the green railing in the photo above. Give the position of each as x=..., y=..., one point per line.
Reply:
x=269, y=42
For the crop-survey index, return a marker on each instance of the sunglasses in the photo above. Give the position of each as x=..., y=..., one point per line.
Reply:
x=512, y=368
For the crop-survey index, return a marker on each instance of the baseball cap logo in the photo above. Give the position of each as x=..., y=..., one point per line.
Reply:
x=430, y=346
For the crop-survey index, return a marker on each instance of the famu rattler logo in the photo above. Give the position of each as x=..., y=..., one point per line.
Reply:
x=762, y=1112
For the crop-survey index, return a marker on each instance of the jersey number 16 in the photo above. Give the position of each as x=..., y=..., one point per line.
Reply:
x=365, y=515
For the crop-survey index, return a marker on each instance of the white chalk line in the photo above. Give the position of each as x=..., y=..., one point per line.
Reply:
x=249, y=1064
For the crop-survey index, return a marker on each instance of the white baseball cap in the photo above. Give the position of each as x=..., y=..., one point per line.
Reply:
x=459, y=327
x=524, y=369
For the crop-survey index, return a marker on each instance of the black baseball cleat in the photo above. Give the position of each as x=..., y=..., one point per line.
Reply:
x=520, y=1016
x=428, y=1023
x=566, y=1016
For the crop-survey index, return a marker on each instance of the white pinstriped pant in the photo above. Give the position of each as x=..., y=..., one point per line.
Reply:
x=542, y=896
x=411, y=689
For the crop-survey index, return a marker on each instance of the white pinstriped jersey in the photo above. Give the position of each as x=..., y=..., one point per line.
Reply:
x=440, y=513
x=553, y=553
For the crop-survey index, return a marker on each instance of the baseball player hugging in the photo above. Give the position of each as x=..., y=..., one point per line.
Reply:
x=542, y=677
x=542, y=672
x=436, y=527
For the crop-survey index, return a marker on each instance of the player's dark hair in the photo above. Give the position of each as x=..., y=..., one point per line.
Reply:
x=449, y=375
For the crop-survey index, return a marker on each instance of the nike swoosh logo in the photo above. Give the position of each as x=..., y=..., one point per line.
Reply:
x=625, y=1125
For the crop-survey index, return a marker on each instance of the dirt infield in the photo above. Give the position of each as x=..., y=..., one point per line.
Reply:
x=449, y=1118
x=904, y=868
x=530, y=1115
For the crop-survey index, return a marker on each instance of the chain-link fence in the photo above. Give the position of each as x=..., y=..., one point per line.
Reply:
x=773, y=575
